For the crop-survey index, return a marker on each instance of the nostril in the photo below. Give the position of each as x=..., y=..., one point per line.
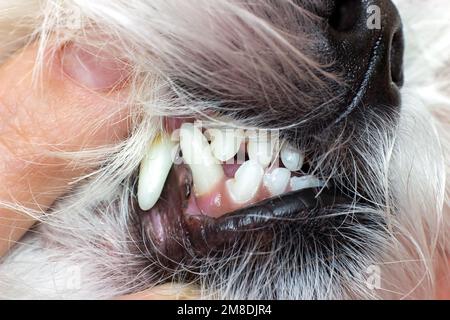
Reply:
x=396, y=58
x=345, y=14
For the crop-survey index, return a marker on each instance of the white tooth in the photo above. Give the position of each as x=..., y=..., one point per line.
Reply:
x=225, y=144
x=277, y=181
x=291, y=158
x=246, y=182
x=154, y=169
x=305, y=182
x=261, y=150
x=207, y=172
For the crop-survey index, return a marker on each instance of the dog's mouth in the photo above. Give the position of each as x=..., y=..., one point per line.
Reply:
x=229, y=185
x=201, y=192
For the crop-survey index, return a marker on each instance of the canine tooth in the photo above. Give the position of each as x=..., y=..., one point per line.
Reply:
x=261, y=150
x=206, y=170
x=225, y=144
x=153, y=172
x=246, y=182
x=291, y=158
x=277, y=181
x=305, y=182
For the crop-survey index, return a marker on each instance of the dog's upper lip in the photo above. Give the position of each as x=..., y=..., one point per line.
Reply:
x=359, y=93
x=372, y=60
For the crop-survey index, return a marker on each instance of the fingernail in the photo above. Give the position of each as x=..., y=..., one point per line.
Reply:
x=93, y=68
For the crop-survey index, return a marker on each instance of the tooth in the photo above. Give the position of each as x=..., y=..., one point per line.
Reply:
x=225, y=143
x=277, y=181
x=207, y=172
x=260, y=148
x=154, y=169
x=246, y=182
x=291, y=158
x=305, y=182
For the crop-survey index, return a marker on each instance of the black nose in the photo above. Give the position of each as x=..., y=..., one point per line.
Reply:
x=367, y=39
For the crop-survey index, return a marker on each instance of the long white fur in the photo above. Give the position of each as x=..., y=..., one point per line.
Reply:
x=79, y=252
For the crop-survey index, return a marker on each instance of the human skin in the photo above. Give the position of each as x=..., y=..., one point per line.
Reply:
x=56, y=111
x=59, y=111
x=50, y=113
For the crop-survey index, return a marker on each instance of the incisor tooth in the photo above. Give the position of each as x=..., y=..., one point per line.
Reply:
x=207, y=172
x=305, y=182
x=277, y=181
x=261, y=148
x=154, y=169
x=291, y=158
x=246, y=182
x=225, y=144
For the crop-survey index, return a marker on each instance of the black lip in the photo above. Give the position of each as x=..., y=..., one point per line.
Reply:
x=192, y=237
x=261, y=218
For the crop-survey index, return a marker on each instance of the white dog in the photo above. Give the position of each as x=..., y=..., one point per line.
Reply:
x=367, y=216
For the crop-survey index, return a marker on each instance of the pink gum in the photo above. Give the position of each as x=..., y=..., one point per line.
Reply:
x=218, y=202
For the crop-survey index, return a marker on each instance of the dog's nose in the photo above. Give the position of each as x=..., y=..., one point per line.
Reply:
x=367, y=38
